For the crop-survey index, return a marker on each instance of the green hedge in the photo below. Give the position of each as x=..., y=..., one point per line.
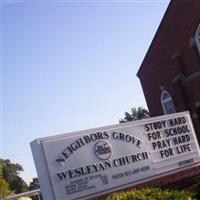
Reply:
x=151, y=194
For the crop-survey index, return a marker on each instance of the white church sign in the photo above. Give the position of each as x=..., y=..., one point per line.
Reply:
x=90, y=163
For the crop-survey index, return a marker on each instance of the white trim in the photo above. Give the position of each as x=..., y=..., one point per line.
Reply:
x=165, y=101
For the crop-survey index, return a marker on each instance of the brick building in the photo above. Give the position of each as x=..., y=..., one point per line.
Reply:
x=170, y=71
x=170, y=77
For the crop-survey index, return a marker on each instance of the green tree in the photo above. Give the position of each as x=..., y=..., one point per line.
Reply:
x=11, y=174
x=136, y=114
x=34, y=184
x=18, y=185
x=4, y=189
x=1, y=170
x=10, y=170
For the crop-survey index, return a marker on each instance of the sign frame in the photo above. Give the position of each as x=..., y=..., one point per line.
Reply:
x=44, y=169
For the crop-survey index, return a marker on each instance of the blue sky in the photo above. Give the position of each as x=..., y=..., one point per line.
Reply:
x=68, y=66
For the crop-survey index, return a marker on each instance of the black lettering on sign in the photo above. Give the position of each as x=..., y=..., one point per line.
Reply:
x=77, y=144
x=186, y=162
x=176, y=131
x=84, y=170
x=166, y=153
x=116, y=176
x=181, y=139
x=177, y=121
x=154, y=136
x=126, y=138
x=161, y=144
x=155, y=126
x=130, y=159
x=183, y=148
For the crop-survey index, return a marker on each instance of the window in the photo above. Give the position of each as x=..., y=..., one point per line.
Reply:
x=167, y=103
x=197, y=38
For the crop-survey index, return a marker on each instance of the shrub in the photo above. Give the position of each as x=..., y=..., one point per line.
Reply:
x=196, y=188
x=151, y=194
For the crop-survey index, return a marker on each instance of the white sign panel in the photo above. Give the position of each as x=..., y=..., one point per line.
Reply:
x=90, y=163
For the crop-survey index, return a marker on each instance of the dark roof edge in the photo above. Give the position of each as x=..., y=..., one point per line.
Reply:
x=157, y=32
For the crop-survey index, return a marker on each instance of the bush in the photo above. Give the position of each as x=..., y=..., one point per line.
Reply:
x=151, y=194
x=196, y=189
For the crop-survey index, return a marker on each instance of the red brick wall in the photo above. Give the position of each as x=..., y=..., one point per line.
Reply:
x=169, y=55
x=179, y=180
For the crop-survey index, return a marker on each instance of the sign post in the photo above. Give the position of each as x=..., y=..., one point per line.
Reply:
x=91, y=163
